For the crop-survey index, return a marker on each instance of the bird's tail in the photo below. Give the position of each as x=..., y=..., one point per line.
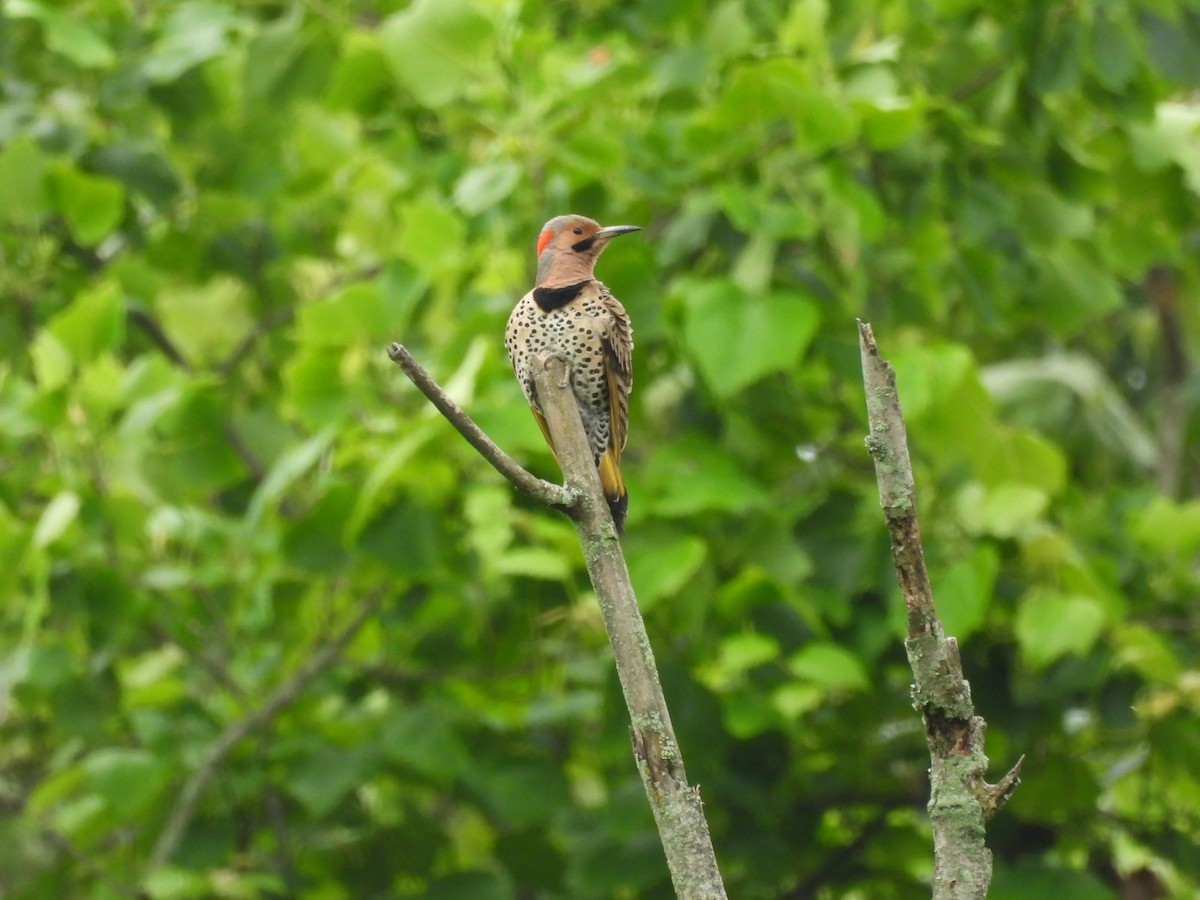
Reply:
x=614, y=488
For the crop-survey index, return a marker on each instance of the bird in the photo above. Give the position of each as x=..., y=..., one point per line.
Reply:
x=569, y=313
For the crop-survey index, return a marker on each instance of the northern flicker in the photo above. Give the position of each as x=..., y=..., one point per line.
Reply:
x=571, y=314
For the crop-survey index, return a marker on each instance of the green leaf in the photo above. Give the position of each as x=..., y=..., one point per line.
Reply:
x=1048, y=215
x=963, y=591
x=470, y=886
x=361, y=75
x=55, y=519
x=93, y=324
x=435, y=48
x=823, y=122
x=1076, y=289
x=684, y=478
x=888, y=123
x=22, y=187
x=356, y=315
x=151, y=679
x=323, y=779
x=141, y=167
x=795, y=698
x=519, y=793
x=431, y=237
x=736, y=339
x=780, y=89
x=317, y=393
x=68, y=35
x=1021, y=456
x=1113, y=54
x=1168, y=527
x=756, y=263
x=1050, y=625
x=482, y=187
x=660, y=566
x=1035, y=881
x=729, y=33
x=737, y=655
x=1143, y=650
x=272, y=55
x=829, y=666
x=50, y=666
x=380, y=486
x=289, y=469
x=194, y=453
x=129, y=780
x=1173, y=137
x=534, y=562
x=176, y=883
x=193, y=33
x=929, y=375
x=1056, y=62
x=760, y=91
x=206, y=321
x=1024, y=385
x=1173, y=48
x=421, y=738
x=1005, y=510
x=52, y=363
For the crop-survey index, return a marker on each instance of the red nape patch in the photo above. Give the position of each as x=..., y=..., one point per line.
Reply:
x=543, y=239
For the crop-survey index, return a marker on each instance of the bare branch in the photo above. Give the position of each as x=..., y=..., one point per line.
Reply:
x=677, y=809
x=527, y=483
x=960, y=799
x=189, y=798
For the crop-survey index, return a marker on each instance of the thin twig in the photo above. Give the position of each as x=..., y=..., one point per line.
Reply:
x=249, y=458
x=141, y=317
x=546, y=492
x=189, y=798
x=961, y=800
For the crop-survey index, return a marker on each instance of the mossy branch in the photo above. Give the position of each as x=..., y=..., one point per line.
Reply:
x=961, y=801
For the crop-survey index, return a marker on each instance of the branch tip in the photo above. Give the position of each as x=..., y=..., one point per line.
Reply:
x=545, y=492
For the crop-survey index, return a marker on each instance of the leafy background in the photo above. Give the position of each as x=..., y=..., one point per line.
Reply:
x=214, y=217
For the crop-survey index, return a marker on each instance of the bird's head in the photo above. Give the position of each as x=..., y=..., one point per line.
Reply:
x=568, y=247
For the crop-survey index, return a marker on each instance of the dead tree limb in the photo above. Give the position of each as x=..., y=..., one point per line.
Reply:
x=961, y=801
x=677, y=809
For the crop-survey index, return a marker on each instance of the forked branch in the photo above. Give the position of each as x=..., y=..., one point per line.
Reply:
x=677, y=809
x=526, y=482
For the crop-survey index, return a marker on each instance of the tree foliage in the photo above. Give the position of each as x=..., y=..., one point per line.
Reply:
x=214, y=217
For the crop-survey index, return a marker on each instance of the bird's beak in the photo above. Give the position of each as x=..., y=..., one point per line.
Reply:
x=613, y=231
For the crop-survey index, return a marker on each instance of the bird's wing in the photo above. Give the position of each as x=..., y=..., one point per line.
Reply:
x=618, y=352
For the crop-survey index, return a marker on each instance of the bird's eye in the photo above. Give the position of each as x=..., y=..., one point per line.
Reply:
x=578, y=230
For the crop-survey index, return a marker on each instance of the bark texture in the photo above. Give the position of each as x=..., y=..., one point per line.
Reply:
x=961, y=801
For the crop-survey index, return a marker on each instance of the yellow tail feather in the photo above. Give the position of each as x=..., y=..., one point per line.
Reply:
x=614, y=488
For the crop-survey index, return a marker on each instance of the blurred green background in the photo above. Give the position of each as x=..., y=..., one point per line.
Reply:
x=214, y=217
